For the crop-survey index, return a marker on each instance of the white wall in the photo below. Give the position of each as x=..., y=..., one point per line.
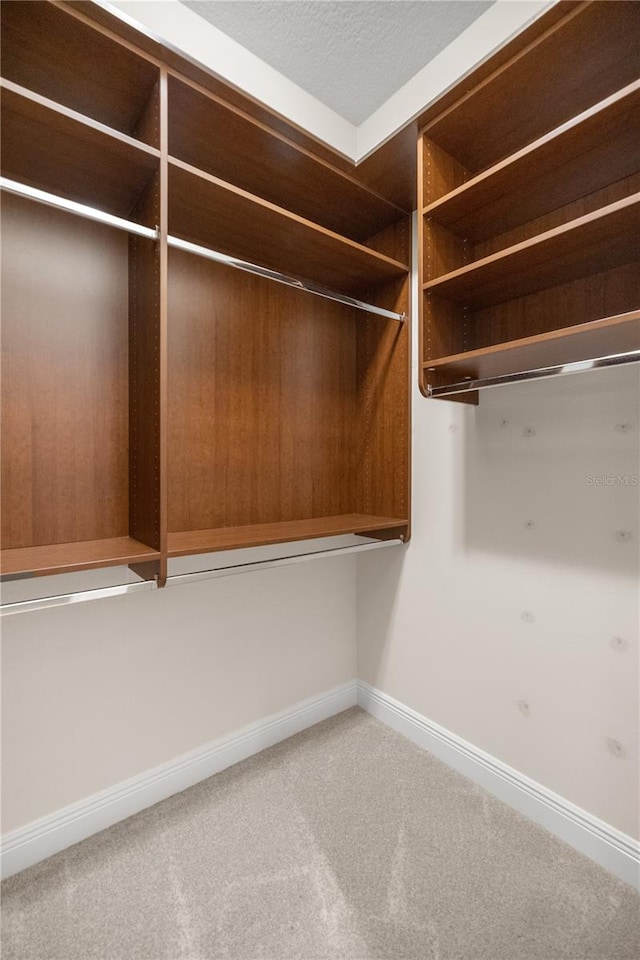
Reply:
x=100, y=691
x=512, y=618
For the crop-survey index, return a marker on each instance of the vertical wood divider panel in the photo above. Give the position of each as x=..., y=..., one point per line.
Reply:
x=383, y=446
x=164, y=282
x=148, y=367
x=423, y=343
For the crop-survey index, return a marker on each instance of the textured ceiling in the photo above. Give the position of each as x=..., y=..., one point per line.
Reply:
x=350, y=54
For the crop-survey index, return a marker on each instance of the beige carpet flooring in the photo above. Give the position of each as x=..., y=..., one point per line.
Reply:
x=346, y=842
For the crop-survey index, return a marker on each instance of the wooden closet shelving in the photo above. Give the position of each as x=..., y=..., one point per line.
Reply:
x=583, y=58
x=69, y=397
x=529, y=228
x=283, y=176
x=606, y=238
x=583, y=341
x=583, y=155
x=156, y=403
x=65, y=59
x=83, y=555
x=216, y=214
x=59, y=150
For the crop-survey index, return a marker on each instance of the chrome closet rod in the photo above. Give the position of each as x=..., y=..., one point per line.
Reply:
x=151, y=233
x=541, y=373
x=64, y=599
x=179, y=578
x=306, y=285
x=98, y=593
x=79, y=209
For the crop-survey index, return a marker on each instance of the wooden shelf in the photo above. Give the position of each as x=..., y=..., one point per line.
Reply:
x=585, y=341
x=594, y=149
x=68, y=557
x=229, y=538
x=596, y=242
x=216, y=214
x=55, y=149
x=220, y=139
x=580, y=60
x=50, y=51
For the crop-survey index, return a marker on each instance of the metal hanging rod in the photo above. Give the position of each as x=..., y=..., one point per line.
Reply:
x=306, y=285
x=542, y=373
x=179, y=578
x=152, y=233
x=80, y=209
x=98, y=593
x=64, y=599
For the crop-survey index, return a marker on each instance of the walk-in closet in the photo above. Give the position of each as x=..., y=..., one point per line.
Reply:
x=320, y=496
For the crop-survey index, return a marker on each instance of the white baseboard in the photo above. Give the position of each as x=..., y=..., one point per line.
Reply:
x=42, y=838
x=613, y=850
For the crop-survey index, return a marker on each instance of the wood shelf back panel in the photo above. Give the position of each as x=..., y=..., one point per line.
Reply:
x=65, y=378
x=57, y=55
x=213, y=136
x=186, y=543
x=565, y=216
x=262, y=388
x=450, y=329
x=563, y=166
x=607, y=293
x=585, y=341
x=394, y=241
x=217, y=215
x=598, y=241
x=54, y=151
x=582, y=60
x=55, y=558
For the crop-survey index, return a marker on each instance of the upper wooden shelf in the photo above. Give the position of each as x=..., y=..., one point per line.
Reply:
x=69, y=557
x=585, y=341
x=211, y=212
x=596, y=148
x=229, y=538
x=222, y=140
x=56, y=149
x=577, y=62
x=595, y=242
x=45, y=48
